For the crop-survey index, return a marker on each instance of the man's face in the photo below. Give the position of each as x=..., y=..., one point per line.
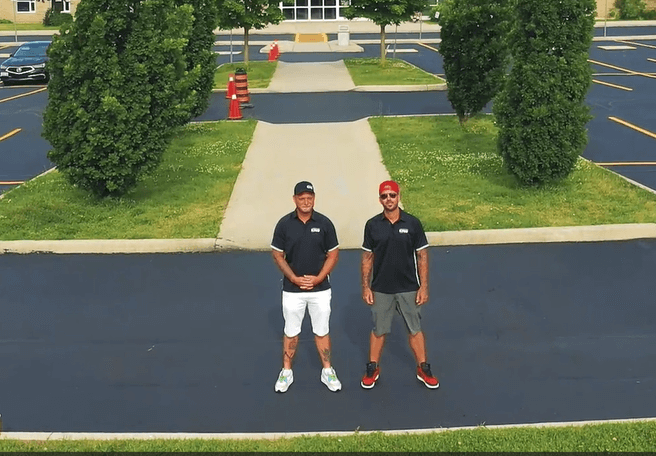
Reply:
x=304, y=202
x=389, y=199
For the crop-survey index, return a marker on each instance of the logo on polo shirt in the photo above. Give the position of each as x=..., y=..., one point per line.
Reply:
x=403, y=230
x=315, y=230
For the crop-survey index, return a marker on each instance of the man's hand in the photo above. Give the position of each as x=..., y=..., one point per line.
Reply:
x=368, y=296
x=309, y=282
x=422, y=295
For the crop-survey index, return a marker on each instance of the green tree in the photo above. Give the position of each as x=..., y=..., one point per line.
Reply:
x=474, y=51
x=384, y=13
x=119, y=86
x=199, y=52
x=249, y=14
x=541, y=110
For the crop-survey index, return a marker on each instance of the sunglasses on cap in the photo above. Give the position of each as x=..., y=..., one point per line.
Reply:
x=388, y=195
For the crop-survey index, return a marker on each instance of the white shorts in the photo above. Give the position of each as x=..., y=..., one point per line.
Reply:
x=293, y=310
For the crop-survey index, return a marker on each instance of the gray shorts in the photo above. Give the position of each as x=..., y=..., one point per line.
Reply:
x=383, y=308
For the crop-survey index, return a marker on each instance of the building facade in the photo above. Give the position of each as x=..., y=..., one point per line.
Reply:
x=33, y=11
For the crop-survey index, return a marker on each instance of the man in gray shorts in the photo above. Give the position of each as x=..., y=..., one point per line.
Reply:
x=395, y=248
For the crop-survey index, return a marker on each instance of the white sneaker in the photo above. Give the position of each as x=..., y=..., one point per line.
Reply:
x=285, y=379
x=329, y=378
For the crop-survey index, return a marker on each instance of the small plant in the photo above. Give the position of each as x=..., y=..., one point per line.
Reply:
x=5, y=21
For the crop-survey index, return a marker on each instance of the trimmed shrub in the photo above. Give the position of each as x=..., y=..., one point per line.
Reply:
x=541, y=111
x=630, y=9
x=474, y=51
x=119, y=87
x=56, y=18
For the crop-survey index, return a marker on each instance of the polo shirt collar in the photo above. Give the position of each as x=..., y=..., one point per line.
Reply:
x=401, y=216
x=295, y=215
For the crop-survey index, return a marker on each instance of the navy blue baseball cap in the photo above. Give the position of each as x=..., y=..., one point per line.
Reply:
x=302, y=187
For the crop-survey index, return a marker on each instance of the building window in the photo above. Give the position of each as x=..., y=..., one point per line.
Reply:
x=26, y=6
x=66, y=7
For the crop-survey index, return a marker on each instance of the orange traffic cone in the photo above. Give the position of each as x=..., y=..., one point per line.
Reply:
x=231, y=90
x=235, y=110
x=272, y=52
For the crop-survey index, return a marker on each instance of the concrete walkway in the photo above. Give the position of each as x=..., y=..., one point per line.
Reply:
x=342, y=160
x=311, y=77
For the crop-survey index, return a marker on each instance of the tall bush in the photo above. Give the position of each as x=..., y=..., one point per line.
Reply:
x=541, y=111
x=474, y=51
x=119, y=86
x=199, y=52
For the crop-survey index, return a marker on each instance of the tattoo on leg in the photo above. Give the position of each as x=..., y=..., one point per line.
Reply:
x=290, y=350
x=325, y=355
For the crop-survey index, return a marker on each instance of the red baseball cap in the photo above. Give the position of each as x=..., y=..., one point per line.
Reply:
x=388, y=185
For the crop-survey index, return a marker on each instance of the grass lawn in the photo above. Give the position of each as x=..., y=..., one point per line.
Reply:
x=259, y=74
x=184, y=198
x=608, y=437
x=453, y=179
x=19, y=27
x=395, y=72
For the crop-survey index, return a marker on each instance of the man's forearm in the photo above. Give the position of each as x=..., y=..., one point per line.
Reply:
x=281, y=262
x=366, y=265
x=328, y=265
x=422, y=265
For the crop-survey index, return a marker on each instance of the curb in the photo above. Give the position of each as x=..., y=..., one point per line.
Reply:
x=372, y=88
x=595, y=233
x=279, y=435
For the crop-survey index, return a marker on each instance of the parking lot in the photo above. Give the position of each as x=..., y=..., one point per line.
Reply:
x=621, y=134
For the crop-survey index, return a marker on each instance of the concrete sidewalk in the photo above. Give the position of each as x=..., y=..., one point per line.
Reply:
x=342, y=160
x=311, y=77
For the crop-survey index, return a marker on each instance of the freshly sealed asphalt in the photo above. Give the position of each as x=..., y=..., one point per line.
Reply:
x=192, y=342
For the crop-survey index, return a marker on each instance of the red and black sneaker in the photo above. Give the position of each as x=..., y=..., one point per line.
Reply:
x=370, y=377
x=425, y=375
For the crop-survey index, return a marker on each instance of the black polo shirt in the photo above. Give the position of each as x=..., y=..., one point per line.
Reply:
x=395, y=252
x=305, y=246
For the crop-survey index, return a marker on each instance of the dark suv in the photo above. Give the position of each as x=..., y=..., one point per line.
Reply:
x=28, y=63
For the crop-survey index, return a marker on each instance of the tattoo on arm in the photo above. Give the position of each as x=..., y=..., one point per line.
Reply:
x=422, y=265
x=365, y=268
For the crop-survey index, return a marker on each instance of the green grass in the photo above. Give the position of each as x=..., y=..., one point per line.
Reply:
x=184, y=198
x=259, y=74
x=31, y=26
x=453, y=179
x=395, y=72
x=607, y=437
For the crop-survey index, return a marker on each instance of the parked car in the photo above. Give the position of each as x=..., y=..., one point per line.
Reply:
x=28, y=63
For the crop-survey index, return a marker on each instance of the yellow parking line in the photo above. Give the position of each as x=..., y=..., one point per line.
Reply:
x=634, y=127
x=10, y=134
x=428, y=47
x=23, y=94
x=637, y=73
x=11, y=182
x=626, y=164
x=628, y=89
x=652, y=60
x=636, y=44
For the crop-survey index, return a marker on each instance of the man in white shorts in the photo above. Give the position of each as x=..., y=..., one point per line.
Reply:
x=305, y=248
